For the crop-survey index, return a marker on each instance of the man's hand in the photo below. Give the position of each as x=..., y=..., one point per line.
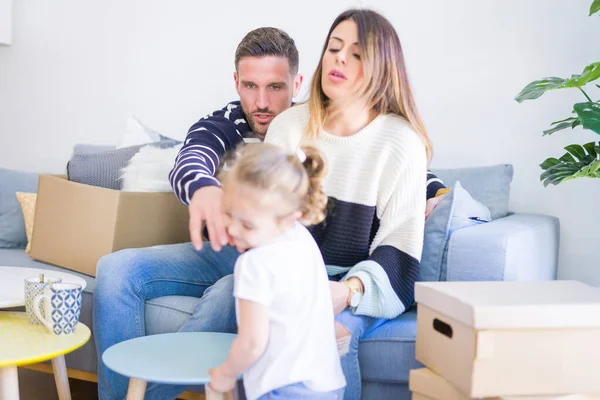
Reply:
x=432, y=204
x=221, y=382
x=206, y=205
x=339, y=296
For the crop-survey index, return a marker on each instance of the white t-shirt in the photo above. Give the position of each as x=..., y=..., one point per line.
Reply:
x=288, y=276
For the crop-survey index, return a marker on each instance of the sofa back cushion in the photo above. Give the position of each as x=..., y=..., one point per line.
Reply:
x=457, y=210
x=103, y=169
x=488, y=185
x=12, y=225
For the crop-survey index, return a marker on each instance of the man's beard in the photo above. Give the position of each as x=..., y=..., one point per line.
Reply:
x=260, y=130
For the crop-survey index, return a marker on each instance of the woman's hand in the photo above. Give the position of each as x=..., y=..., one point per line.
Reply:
x=221, y=382
x=339, y=295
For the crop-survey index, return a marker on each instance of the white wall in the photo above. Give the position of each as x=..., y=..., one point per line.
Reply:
x=77, y=69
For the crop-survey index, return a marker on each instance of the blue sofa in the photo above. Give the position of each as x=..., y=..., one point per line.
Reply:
x=514, y=247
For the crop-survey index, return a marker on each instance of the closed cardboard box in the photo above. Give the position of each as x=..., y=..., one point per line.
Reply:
x=427, y=385
x=493, y=339
x=75, y=224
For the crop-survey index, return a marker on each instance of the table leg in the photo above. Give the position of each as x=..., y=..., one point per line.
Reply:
x=137, y=389
x=9, y=383
x=61, y=378
x=212, y=395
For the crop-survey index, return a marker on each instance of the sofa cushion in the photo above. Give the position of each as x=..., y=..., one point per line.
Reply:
x=12, y=225
x=387, y=353
x=489, y=185
x=456, y=210
x=103, y=169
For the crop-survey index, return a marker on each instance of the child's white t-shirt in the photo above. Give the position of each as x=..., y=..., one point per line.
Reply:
x=288, y=276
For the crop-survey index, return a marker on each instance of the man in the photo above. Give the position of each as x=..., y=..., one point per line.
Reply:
x=266, y=79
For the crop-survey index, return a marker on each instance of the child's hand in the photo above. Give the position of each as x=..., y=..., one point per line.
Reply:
x=221, y=382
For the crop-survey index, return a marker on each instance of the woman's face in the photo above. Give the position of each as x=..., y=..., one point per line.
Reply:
x=342, y=73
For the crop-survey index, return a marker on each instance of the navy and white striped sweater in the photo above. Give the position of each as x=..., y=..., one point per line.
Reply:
x=210, y=138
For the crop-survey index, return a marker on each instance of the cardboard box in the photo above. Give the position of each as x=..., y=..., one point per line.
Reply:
x=427, y=385
x=510, y=338
x=77, y=224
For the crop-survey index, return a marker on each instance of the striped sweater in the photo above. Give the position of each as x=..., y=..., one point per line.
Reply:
x=376, y=186
x=209, y=139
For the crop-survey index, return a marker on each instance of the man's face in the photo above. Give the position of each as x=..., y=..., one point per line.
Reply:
x=266, y=88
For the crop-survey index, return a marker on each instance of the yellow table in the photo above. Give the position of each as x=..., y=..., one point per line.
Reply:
x=22, y=343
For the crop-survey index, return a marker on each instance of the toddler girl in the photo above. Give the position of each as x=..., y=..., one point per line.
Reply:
x=286, y=347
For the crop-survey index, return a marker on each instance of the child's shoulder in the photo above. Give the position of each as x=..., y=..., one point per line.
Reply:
x=297, y=242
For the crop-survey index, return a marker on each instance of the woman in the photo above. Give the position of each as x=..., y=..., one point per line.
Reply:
x=361, y=114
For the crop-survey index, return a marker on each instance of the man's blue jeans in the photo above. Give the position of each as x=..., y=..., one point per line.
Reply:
x=126, y=279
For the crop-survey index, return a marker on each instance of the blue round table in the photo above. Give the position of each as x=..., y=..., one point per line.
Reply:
x=182, y=358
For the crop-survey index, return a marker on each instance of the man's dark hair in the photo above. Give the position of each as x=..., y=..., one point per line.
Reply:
x=268, y=42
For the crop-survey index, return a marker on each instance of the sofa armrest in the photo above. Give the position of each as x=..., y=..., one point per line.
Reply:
x=519, y=247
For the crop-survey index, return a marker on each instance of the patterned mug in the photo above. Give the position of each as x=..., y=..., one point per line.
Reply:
x=62, y=306
x=33, y=287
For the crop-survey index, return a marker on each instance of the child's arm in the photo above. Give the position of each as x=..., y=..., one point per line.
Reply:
x=253, y=334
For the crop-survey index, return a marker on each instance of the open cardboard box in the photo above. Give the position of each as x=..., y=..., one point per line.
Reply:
x=75, y=224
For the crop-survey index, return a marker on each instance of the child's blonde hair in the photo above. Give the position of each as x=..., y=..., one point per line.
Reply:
x=266, y=167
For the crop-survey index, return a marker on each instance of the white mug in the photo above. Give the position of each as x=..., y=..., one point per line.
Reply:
x=33, y=287
x=62, y=306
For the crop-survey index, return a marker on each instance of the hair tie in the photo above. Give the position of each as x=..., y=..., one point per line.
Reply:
x=301, y=155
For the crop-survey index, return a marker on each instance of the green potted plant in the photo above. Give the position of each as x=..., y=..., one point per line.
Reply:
x=580, y=160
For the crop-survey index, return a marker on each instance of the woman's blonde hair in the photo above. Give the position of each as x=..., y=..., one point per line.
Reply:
x=295, y=177
x=386, y=88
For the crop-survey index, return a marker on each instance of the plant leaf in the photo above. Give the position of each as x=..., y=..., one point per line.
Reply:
x=589, y=74
x=567, y=158
x=595, y=7
x=566, y=167
x=577, y=151
x=591, y=149
x=559, y=127
x=537, y=88
x=577, y=122
x=589, y=115
x=550, y=162
x=564, y=120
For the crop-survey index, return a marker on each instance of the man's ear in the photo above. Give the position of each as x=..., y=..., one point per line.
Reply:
x=297, y=84
x=236, y=79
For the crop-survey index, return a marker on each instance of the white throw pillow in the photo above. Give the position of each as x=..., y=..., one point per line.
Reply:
x=137, y=133
x=148, y=170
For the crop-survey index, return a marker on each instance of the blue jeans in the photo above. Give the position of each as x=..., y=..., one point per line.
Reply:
x=126, y=279
x=300, y=391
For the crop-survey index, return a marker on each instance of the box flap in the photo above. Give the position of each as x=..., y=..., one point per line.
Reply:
x=426, y=382
x=74, y=223
x=514, y=305
x=147, y=219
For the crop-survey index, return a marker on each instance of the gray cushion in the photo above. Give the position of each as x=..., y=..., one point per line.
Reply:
x=12, y=226
x=85, y=148
x=104, y=169
x=457, y=210
x=489, y=185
